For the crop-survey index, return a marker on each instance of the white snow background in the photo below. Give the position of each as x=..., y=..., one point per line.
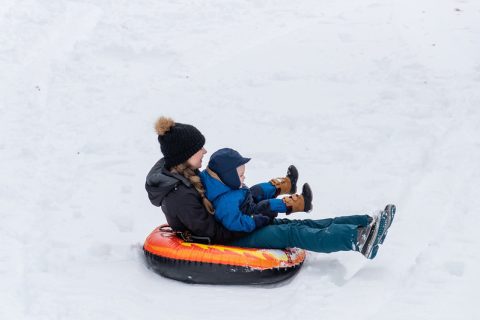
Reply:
x=375, y=102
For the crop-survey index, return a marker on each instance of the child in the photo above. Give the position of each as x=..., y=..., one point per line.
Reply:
x=240, y=208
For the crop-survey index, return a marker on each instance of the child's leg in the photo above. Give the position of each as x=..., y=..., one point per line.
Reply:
x=335, y=237
x=263, y=191
x=270, y=207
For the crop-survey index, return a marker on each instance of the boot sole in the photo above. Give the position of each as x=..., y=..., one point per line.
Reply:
x=390, y=210
x=292, y=174
x=380, y=228
x=308, y=197
x=373, y=253
x=367, y=248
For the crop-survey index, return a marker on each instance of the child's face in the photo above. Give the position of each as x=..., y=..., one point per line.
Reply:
x=241, y=173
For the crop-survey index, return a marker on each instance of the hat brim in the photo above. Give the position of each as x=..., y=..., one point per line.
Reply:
x=243, y=161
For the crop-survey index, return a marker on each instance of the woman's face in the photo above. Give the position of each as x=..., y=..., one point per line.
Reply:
x=195, y=161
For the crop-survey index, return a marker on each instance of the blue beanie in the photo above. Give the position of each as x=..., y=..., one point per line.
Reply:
x=225, y=162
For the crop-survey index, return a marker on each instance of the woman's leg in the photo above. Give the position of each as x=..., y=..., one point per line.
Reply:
x=332, y=238
x=357, y=220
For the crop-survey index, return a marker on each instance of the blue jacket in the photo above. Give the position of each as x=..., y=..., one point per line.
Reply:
x=228, y=204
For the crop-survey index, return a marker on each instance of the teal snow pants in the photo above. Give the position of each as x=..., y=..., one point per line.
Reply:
x=324, y=235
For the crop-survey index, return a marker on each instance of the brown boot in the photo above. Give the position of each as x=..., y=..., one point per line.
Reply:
x=288, y=184
x=283, y=185
x=299, y=202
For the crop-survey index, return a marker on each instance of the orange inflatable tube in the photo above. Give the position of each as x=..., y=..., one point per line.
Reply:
x=191, y=262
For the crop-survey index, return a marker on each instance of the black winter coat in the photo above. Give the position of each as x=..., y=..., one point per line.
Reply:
x=183, y=206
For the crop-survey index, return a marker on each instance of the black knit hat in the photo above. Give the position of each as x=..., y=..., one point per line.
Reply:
x=178, y=141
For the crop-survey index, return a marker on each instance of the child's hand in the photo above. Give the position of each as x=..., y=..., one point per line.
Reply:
x=263, y=208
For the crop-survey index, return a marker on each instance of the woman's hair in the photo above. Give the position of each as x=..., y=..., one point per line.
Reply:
x=190, y=174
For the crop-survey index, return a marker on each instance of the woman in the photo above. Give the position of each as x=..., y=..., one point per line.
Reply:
x=174, y=184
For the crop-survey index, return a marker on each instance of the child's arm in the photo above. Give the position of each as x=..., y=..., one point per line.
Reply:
x=232, y=218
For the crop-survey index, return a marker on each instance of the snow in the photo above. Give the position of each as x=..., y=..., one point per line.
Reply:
x=375, y=102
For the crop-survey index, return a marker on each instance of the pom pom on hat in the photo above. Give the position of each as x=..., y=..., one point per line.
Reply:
x=163, y=125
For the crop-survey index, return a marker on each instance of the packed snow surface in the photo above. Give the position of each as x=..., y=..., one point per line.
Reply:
x=375, y=102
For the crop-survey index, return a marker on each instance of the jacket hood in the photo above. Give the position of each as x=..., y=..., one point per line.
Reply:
x=160, y=182
x=213, y=187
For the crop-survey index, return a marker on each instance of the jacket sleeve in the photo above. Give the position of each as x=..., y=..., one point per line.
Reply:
x=191, y=212
x=229, y=214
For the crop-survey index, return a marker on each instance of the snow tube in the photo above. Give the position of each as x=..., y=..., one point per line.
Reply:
x=192, y=262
